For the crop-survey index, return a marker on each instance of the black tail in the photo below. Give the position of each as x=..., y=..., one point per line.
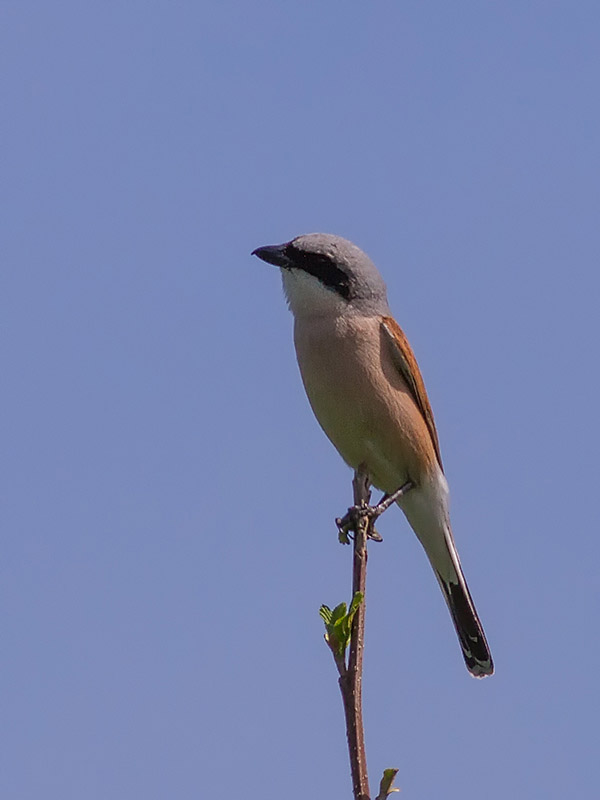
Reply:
x=468, y=627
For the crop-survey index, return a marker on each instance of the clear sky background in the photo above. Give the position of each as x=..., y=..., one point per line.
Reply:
x=168, y=499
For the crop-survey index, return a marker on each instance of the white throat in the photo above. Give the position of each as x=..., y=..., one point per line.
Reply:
x=308, y=297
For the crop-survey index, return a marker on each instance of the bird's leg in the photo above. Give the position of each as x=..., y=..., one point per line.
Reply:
x=386, y=501
x=389, y=499
x=348, y=522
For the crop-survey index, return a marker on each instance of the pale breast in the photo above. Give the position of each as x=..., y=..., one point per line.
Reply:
x=361, y=400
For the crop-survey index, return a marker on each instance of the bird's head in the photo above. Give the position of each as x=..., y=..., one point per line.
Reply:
x=326, y=274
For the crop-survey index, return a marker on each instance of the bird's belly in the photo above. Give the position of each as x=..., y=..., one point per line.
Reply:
x=359, y=434
x=369, y=419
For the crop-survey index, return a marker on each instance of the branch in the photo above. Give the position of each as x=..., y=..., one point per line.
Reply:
x=347, y=627
x=343, y=628
x=351, y=682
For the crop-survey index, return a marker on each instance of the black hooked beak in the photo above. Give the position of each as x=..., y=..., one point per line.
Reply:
x=274, y=254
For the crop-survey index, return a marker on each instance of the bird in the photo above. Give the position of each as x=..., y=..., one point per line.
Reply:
x=367, y=393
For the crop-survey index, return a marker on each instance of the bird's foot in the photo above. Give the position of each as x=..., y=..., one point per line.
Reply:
x=351, y=520
x=354, y=514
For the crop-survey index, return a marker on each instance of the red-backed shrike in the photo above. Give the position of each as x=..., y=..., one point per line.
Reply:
x=366, y=390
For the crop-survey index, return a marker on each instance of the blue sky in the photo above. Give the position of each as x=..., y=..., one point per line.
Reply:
x=168, y=499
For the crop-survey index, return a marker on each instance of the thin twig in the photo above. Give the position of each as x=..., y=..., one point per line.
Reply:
x=351, y=681
x=346, y=626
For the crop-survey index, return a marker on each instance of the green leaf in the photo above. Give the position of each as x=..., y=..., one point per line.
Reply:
x=385, y=786
x=356, y=601
x=338, y=624
x=338, y=613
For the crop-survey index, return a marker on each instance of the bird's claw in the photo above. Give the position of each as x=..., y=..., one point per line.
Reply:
x=351, y=519
x=354, y=514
